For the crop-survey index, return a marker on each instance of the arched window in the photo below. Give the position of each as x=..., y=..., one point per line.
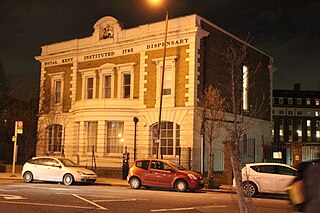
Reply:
x=54, y=138
x=169, y=137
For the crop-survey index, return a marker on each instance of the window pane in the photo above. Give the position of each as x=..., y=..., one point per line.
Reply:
x=57, y=94
x=89, y=88
x=107, y=86
x=115, y=138
x=91, y=131
x=54, y=138
x=126, y=85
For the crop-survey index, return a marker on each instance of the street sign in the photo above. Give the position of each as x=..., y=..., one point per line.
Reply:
x=19, y=127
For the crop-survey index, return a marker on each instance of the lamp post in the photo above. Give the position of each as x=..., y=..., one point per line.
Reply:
x=135, y=120
x=162, y=75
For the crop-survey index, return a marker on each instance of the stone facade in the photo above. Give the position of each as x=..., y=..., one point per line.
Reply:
x=111, y=77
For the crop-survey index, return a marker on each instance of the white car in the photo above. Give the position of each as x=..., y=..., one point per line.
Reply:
x=266, y=178
x=56, y=170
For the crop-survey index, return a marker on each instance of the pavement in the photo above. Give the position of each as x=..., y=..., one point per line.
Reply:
x=108, y=182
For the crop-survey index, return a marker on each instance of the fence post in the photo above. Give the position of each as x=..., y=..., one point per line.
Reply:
x=189, y=158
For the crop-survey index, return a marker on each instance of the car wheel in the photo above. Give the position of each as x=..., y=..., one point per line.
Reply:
x=67, y=179
x=28, y=177
x=250, y=189
x=135, y=183
x=181, y=186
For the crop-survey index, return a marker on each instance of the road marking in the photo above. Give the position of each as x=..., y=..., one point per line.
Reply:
x=175, y=209
x=12, y=197
x=186, y=208
x=88, y=201
x=8, y=190
x=46, y=204
x=46, y=188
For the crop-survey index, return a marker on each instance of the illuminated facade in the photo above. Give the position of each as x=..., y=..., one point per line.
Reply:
x=92, y=89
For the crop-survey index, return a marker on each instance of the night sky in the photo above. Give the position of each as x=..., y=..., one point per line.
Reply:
x=288, y=30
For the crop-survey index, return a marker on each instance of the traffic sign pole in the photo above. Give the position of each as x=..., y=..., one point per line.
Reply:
x=18, y=129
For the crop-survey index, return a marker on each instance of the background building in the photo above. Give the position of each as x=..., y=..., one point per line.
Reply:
x=296, y=116
x=99, y=95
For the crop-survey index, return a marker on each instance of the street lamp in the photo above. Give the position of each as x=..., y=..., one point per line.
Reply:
x=158, y=2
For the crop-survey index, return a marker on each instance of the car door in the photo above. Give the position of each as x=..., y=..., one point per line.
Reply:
x=160, y=174
x=53, y=170
x=285, y=176
x=266, y=177
x=38, y=169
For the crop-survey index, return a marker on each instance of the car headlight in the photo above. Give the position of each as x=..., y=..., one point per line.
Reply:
x=191, y=176
x=81, y=173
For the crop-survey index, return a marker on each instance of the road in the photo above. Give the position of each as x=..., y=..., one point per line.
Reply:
x=52, y=197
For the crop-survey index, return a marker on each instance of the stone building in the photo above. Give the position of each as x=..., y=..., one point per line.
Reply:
x=94, y=88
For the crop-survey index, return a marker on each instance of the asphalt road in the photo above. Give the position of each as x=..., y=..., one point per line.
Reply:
x=52, y=197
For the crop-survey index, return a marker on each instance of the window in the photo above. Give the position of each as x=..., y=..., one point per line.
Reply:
x=169, y=138
x=281, y=112
x=57, y=91
x=317, y=102
x=126, y=82
x=89, y=88
x=245, y=87
x=88, y=83
x=168, y=81
x=266, y=169
x=115, y=138
x=308, y=101
x=299, y=101
x=290, y=112
x=289, y=100
x=159, y=165
x=55, y=138
x=107, y=86
x=56, y=88
x=144, y=164
x=280, y=100
x=308, y=123
x=91, y=129
x=282, y=170
x=318, y=130
x=299, y=112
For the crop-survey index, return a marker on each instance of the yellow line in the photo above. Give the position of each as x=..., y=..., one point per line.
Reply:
x=46, y=204
x=88, y=201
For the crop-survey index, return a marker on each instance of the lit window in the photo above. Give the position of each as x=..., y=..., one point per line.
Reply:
x=115, y=138
x=245, y=87
x=309, y=133
x=299, y=133
x=318, y=102
x=169, y=137
x=308, y=123
x=281, y=132
x=316, y=113
x=308, y=101
x=318, y=134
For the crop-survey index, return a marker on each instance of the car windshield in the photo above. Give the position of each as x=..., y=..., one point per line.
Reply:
x=177, y=166
x=68, y=163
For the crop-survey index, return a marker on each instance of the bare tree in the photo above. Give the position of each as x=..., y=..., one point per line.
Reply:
x=240, y=117
x=51, y=113
x=211, y=106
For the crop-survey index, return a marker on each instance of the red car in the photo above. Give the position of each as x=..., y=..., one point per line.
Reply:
x=164, y=174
